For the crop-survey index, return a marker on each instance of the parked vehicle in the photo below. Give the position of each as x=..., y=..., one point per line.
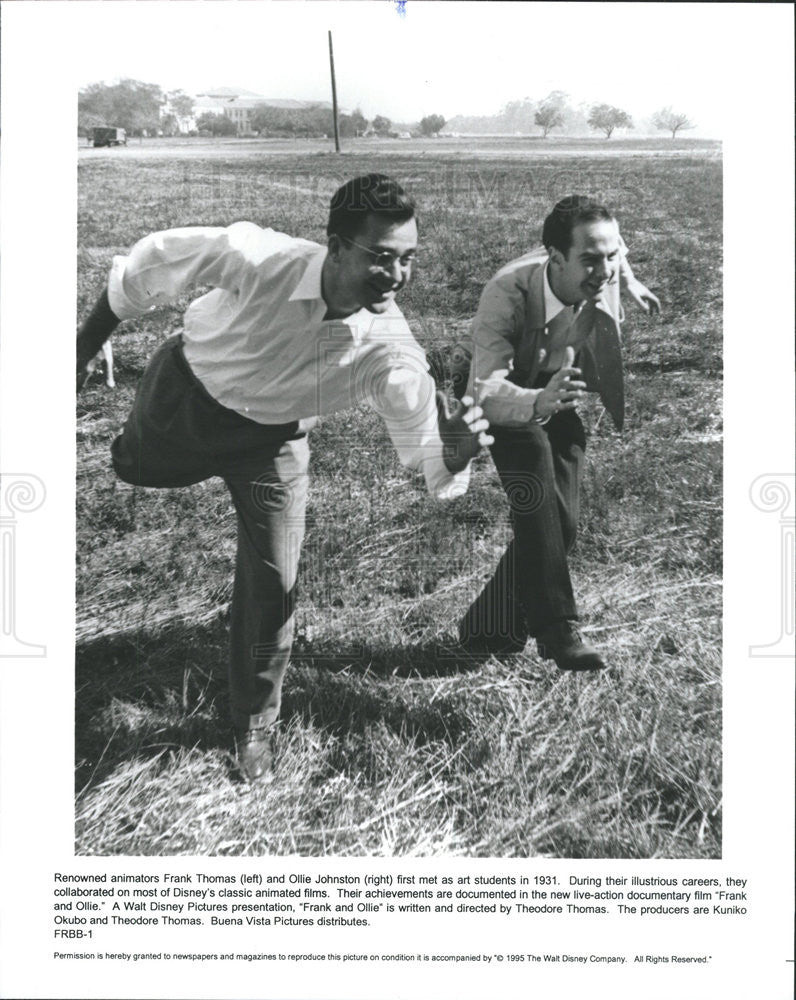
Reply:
x=109, y=137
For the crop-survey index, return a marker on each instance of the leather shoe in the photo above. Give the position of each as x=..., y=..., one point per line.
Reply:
x=255, y=757
x=562, y=642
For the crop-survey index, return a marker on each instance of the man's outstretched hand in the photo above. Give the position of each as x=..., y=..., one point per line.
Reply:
x=643, y=297
x=564, y=390
x=463, y=431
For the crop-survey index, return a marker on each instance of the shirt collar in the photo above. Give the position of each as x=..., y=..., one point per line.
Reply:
x=552, y=304
x=309, y=286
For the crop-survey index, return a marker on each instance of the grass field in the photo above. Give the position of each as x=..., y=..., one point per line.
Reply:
x=390, y=742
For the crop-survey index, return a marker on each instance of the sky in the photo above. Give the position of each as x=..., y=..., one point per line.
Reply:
x=445, y=58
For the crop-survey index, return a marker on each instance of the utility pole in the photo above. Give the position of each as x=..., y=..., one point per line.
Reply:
x=334, y=97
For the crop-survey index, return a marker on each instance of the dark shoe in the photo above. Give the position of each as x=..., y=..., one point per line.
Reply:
x=255, y=758
x=562, y=642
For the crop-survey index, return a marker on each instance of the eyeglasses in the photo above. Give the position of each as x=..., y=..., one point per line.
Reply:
x=383, y=259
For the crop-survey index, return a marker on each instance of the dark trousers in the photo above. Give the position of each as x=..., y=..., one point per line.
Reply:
x=176, y=435
x=540, y=469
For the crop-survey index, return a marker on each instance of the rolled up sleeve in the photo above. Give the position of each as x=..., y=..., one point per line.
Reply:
x=161, y=266
x=626, y=275
x=404, y=395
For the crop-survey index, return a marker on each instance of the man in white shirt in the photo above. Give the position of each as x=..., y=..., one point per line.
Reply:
x=537, y=313
x=290, y=331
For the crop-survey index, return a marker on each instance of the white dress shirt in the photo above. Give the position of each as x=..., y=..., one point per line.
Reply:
x=259, y=344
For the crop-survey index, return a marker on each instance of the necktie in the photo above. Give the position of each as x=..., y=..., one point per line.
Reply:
x=601, y=360
x=558, y=336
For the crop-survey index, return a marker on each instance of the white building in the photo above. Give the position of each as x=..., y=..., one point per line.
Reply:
x=237, y=104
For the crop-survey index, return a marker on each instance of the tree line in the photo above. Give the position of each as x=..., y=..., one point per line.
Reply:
x=139, y=107
x=555, y=112
x=132, y=105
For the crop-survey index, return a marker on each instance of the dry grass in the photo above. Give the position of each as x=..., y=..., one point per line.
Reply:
x=392, y=743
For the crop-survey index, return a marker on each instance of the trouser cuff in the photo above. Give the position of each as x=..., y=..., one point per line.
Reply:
x=263, y=720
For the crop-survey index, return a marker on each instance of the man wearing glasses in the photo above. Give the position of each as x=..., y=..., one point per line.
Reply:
x=290, y=331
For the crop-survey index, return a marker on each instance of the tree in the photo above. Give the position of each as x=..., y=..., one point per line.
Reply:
x=353, y=124
x=267, y=120
x=312, y=121
x=180, y=103
x=169, y=125
x=552, y=112
x=432, y=124
x=381, y=125
x=548, y=117
x=177, y=113
x=87, y=121
x=518, y=116
x=216, y=124
x=605, y=118
x=128, y=104
x=671, y=121
x=521, y=118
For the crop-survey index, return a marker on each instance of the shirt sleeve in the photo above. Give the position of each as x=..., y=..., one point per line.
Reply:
x=161, y=266
x=403, y=393
x=495, y=333
x=626, y=276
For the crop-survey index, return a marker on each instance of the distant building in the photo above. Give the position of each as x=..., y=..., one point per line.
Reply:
x=237, y=104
